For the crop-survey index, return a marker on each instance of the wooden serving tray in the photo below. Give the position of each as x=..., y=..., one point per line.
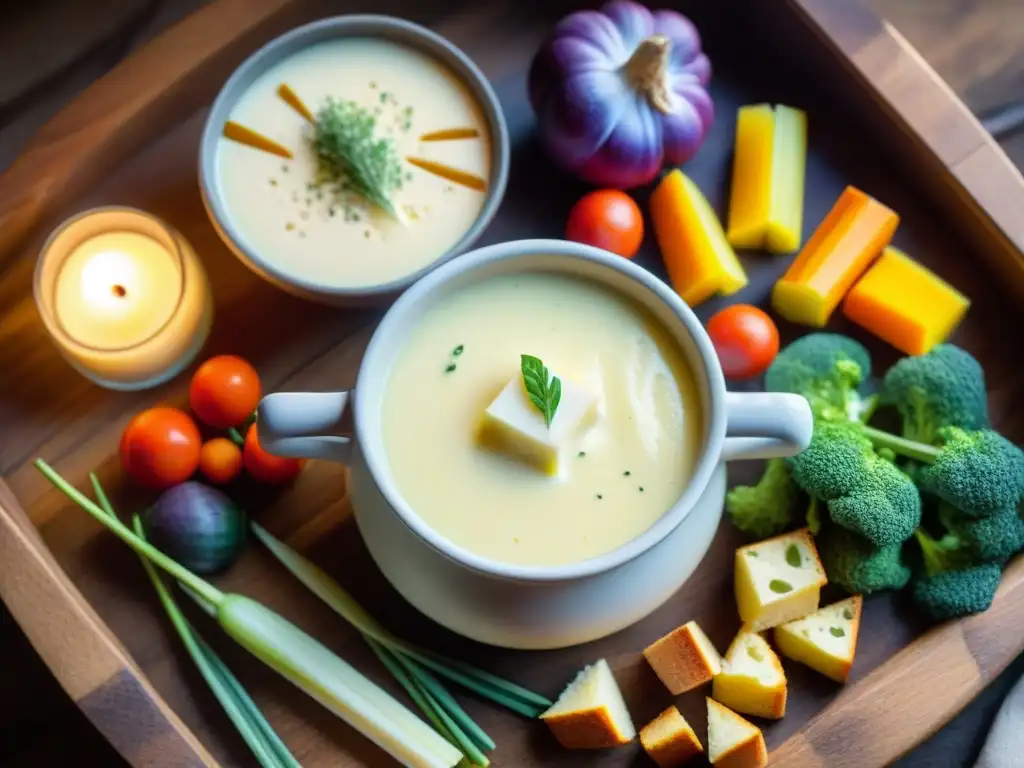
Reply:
x=879, y=119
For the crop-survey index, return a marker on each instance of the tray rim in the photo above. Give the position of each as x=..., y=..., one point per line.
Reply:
x=59, y=162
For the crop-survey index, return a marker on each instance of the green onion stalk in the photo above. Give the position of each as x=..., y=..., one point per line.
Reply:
x=296, y=656
x=250, y=723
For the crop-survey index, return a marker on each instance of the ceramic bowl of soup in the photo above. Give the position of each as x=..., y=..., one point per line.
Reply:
x=346, y=158
x=510, y=521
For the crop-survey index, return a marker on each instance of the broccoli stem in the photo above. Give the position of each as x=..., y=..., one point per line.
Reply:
x=911, y=449
x=933, y=554
x=869, y=406
x=814, y=516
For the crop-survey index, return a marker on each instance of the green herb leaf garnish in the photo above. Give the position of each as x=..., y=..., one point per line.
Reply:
x=351, y=154
x=780, y=587
x=793, y=555
x=543, y=390
x=837, y=632
x=847, y=613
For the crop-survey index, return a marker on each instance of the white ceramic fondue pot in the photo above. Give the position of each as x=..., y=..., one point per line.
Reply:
x=520, y=606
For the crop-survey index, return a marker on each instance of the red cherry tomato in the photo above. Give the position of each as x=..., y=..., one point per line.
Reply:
x=225, y=391
x=264, y=466
x=746, y=340
x=160, y=447
x=609, y=219
x=220, y=460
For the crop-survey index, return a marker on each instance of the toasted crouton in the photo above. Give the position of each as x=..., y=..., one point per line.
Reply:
x=825, y=641
x=591, y=713
x=752, y=680
x=684, y=658
x=732, y=741
x=778, y=580
x=669, y=739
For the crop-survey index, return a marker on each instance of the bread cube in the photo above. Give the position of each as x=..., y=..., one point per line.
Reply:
x=733, y=742
x=752, y=680
x=669, y=740
x=591, y=713
x=684, y=658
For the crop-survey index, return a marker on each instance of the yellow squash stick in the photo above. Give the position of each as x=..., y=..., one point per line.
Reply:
x=699, y=260
x=767, y=204
x=789, y=164
x=841, y=248
x=905, y=304
x=750, y=202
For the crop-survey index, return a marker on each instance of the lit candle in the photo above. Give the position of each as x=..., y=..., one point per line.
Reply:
x=124, y=297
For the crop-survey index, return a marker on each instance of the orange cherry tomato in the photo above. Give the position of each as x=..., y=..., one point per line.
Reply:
x=225, y=390
x=160, y=447
x=220, y=460
x=264, y=466
x=746, y=340
x=609, y=219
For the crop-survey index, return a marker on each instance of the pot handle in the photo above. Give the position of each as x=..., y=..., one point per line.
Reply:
x=766, y=425
x=304, y=425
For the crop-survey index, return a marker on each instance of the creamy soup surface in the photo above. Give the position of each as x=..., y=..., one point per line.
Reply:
x=625, y=471
x=306, y=230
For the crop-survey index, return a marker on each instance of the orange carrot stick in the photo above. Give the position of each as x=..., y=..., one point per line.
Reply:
x=453, y=175
x=292, y=100
x=841, y=248
x=450, y=134
x=905, y=303
x=249, y=137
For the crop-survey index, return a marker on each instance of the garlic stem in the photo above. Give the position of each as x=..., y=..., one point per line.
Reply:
x=647, y=71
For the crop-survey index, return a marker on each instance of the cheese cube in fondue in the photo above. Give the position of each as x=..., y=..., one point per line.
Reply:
x=514, y=426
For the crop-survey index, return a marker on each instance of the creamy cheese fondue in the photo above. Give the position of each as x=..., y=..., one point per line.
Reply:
x=307, y=229
x=623, y=472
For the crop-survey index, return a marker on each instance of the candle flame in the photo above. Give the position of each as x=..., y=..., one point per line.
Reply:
x=107, y=278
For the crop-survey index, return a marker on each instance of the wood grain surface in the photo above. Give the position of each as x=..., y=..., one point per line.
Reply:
x=45, y=409
x=68, y=634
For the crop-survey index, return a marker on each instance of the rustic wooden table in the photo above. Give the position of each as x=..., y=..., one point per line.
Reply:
x=51, y=51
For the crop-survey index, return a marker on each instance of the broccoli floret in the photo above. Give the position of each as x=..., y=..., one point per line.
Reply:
x=954, y=583
x=992, y=539
x=885, y=507
x=827, y=369
x=997, y=537
x=858, y=567
x=977, y=472
x=943, y=388
x=864, y=493
x=950, y=594
x=835, y=461
x=765, y=509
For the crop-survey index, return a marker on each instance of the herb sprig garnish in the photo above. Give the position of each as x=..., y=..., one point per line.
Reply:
x=350, y=152
x=544, y=390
